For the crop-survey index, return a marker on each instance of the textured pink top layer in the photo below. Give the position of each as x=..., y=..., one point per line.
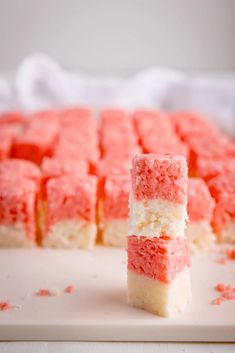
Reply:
x=221, y=184
x=117, y=134
x=12, y=118
x=18, y=202
x=222, y=189
x=115, y=197
x=209, y=168
x=200, y=202
x=224, y=211
x=38, y=137
x=6, y=142
x=189, y=124
x=69, y=198
x=158, y=258
x=148, y=121
x=159, y=177
x=21, y=168
x=77, y=117
x=55, y=167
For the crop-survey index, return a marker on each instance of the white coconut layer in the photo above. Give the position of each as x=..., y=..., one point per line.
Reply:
x=154, y=218
x=158, y=297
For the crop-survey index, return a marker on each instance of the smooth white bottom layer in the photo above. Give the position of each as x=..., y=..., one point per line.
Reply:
x=14, y=236
x=200, y=235
x=228, y=233
x=157, y=297
x=157, y=217
x=71, y=234
x=115, y=233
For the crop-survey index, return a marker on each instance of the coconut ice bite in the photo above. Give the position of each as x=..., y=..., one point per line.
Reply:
x=68, y=217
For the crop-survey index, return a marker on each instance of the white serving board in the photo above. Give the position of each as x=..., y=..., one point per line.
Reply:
x=97, y=309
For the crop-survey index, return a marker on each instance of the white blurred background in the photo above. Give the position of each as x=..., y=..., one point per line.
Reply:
x=120, y=36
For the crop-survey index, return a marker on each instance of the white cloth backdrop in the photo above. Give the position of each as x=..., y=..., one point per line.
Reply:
x=40, y=83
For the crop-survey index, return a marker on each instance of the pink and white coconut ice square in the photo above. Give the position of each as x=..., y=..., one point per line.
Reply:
x=69, y=212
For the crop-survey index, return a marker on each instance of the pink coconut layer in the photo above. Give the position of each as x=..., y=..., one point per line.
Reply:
x=78, y=142
x=6, y=143
x=37, y=138
x=209, y=147
x=56, y=167
x=117, y=134
x=77, y=117
x=22, y=168
x=188, y=124
x=222, y=189
x=209, y=168
x=159, y=258
x=12, y=118
x=200, y=202
x=110, y=166
x=159, y=176
x=18, y=196
x=114, y=116
x=115, y=197
x=222, y=184
x=149, y=121
x=69, y=198
x=152, y=143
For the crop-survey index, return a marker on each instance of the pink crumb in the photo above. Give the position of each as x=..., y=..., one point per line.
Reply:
x=159, y=176
x=45, y=293
x=4, y=305
x=230, y=254
x=227, y=293
x=221, y=261
x=69, y=289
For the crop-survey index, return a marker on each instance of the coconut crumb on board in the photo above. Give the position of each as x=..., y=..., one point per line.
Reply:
x=69, y=289
x=44, y=292
x=225, y=256
x=6, y=305
x=227, y=293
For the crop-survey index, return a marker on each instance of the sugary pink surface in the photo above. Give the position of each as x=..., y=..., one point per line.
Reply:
x=110, y=166
x=160, y=258
x=222, y=189
x=209, y=168
x=159, y=177
x=208, y=147
x=85, y=151
x=12, y=118
x=152, y=143
x=22, y=168
x=200, y=202
x=114, y=116
x=227, y=293
x=69, y=198
x=18, y=196
x=115, y=197
x=117, y=134
x=149, y=122
x=189, y=124
x=38, y=137
x=222, y=184
x=55, y=167
x=6, y=142
x=77, y=117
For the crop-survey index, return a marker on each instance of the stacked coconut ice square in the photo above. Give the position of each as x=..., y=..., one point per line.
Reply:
x=158, y=254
